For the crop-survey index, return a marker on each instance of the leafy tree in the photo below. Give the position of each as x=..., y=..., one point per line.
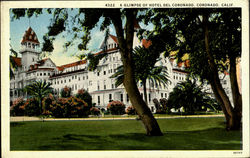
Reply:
x=39, y=90
x=84, y=95
x=84, y=22
x=65, y=92
x=13, y=64
x=144, y=70
x=212, y=38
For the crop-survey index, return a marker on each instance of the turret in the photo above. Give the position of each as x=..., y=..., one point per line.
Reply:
x=29, y=48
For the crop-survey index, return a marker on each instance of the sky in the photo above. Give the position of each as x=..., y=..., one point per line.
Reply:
x=59, y=56
x=39, y=24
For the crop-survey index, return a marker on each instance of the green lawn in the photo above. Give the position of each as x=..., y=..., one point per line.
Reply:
x=179, y=134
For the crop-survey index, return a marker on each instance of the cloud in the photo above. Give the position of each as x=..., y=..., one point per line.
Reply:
x=96, y=39
x=59, y=56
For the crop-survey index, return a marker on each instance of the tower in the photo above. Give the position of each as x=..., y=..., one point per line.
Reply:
x=29, y=49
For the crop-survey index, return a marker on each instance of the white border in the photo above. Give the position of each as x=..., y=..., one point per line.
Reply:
x=6, y=5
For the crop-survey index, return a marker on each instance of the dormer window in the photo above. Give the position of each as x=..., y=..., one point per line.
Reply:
x=30, y=37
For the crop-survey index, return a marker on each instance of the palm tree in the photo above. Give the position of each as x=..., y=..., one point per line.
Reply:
x=39, y=89
x=189, y=96
x=144, y=69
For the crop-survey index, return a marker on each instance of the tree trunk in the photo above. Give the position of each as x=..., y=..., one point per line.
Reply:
x=150, y=123
x=126, y=48
x=40, y=105
x=220, y=101
x=237, y=98
x=145, y=91
x=216, y=81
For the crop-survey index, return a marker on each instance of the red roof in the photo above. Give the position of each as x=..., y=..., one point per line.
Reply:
x=109, y=50
x=30, y=36
x=180, y=64
x=187, y=63
x=114, y=38
x=146, y=43
x=17, y=60
x=61, y=68
x=51, y=69
x=226, y=72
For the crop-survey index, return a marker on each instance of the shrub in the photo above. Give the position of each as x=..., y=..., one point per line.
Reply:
x=156, y=104
x=17, y=108
x=130, y=110
x=84, y=95
x=32, y=107
x=116, y=108
x=68, y=107
x=160, y=111
x=48, y=103
x=65, y=92
x=165, y=107
x=94, y=111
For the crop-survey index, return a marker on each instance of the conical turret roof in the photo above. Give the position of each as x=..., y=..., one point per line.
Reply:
x=30, y=36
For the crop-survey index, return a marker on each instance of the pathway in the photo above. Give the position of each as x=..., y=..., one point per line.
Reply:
x=25, y=118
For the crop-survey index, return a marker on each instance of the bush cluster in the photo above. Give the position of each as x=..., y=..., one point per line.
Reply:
x=17, y=108
x=94, y=111
x=130, y=110
x=116, y=108
x=67, y=106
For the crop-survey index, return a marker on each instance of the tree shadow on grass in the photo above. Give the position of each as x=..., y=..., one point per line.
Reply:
x=208, y=139
x=15, y=124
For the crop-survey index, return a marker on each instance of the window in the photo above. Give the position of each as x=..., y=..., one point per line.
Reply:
x=41, y=74
x=72, y=77
x=83, y=78
x=166, y=95
x=110, y=97
x=149, y=97
x=98, y=85
x=86, y=77
x=104, y=84
x=44, y=74
x=64, y=81
x=98, y=73
x=76, y=86
x=104, y=72
x=57, y=82
x=98, y=100
x=161, y=95
x=48, y=74
x=127, y=98
x=121, y=97
x=69, y=80
x=79, y=78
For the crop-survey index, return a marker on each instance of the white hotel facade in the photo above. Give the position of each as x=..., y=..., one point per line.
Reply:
x=98, y=83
